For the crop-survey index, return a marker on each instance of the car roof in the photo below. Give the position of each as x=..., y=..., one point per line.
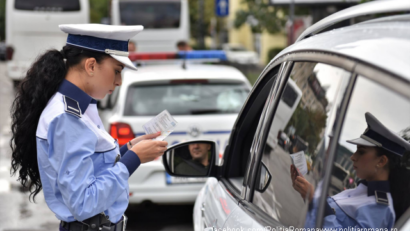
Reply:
x=175, y=71
x=385, y=44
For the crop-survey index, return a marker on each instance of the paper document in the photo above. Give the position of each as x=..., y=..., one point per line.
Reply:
x=163, y=123
x=299, y=160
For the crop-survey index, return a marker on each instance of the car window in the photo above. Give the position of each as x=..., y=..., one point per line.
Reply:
x=186, y=98
x=297, y=137
x=236, y=156
x=155, y=14
x=353, y=164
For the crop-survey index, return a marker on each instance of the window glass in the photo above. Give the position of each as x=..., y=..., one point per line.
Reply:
x=47, y=5
x=186, y=98
x=297, y=137
x=357, y=173
x=155, y=14
x=237, y=158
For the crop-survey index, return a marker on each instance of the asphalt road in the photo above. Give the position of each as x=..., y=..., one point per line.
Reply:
x=17, y=213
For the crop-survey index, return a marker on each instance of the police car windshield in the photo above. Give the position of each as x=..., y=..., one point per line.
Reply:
x=185, y=99
x=155, y=14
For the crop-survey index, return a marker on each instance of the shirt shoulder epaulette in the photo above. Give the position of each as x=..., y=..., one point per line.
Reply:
x=71, y=106
x=381, y=197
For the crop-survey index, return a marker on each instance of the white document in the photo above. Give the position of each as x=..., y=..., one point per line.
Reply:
x=163, y=123
x=299, y=160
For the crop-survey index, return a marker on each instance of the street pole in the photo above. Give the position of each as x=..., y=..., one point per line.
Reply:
x=201, y=44
x=292, y=16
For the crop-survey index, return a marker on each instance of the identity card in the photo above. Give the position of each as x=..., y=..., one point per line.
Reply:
x=163, y=123
x=299, y=161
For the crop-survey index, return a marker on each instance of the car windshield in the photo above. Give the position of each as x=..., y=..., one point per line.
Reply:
x=185, y=98
x=155, y=14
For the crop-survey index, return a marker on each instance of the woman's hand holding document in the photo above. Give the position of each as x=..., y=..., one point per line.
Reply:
x=299, y=161
x=163, y=123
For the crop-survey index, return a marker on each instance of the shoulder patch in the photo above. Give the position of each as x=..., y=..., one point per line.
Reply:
x=71, y=106
x=381, y=197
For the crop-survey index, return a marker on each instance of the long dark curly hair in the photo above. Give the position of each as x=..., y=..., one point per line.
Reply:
x=41, y=82
x=399, y=177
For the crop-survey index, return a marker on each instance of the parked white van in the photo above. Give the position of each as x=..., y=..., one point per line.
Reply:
x=32, y=28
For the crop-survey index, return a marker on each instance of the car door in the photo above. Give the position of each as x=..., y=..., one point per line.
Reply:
x=387, y=98
x=219, y=199
x=306, y=109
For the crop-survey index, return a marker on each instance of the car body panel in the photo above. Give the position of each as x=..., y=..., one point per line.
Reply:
x=239, y=219
x=359, y=10
x=216, y=204
x=367, y=42
x=148, y=183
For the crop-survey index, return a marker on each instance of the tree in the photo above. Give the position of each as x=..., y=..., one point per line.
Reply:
x=261, y=16
x=309, y=125
x=99, y=9
x=2, y=20
x=208, y=14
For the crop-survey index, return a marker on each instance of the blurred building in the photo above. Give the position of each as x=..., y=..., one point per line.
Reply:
x=313, y=94
x=260, y=43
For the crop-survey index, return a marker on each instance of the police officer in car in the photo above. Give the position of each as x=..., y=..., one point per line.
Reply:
x=59, y=143
x=381, y=196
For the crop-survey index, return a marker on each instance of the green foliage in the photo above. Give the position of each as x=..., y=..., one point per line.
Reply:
x=309, y=125
x=266, y=15
x=2, y=20
x=273, y=52
x=98, y=10
x=209, y=13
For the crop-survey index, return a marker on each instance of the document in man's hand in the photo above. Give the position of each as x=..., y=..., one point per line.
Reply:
x=299, y=161
x=163, y=123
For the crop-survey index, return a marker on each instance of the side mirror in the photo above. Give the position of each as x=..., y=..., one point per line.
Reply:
x=263, y=179
x=190, y=159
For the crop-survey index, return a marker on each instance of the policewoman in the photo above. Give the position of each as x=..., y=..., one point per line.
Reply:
x=59, y=144
x=382, y=195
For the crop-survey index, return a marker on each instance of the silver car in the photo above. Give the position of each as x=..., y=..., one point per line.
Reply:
x=342, y=74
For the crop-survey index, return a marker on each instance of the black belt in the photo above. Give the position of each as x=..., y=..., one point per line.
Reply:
x=96, y=223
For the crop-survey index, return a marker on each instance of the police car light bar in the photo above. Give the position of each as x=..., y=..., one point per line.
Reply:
x=203, y=55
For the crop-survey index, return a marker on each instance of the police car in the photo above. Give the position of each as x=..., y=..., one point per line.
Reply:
x=204, y=100
x=345, y=76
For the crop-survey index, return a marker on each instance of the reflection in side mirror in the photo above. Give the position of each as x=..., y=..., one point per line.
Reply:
x=263, y=179
x=193, y=158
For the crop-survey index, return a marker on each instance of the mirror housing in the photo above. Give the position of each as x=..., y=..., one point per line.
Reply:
x=195, y=158
x=263, y=178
